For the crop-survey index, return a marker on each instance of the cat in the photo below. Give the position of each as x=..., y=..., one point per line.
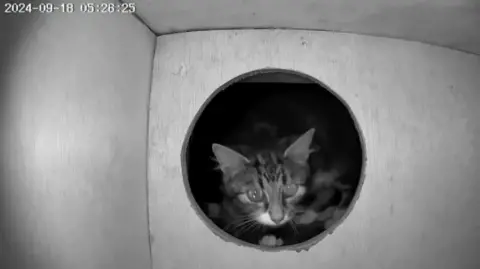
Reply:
x=266, y=187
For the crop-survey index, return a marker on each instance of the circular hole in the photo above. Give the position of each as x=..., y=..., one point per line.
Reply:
x=273, y=160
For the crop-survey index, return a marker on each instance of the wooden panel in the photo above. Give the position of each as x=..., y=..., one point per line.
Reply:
x=450, y=23
x=417, y=106
x=74, y=105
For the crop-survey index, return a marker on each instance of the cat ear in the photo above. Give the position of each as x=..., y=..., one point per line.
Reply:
x=229, y=161
x=299, y=151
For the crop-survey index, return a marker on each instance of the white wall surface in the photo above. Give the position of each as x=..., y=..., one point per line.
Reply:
x=74, y=102
x=417, y=106
x=450, y=23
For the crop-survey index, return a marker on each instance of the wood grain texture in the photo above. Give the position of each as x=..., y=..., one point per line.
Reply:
x=417, y=106
x=74, y=107
x=450, y=23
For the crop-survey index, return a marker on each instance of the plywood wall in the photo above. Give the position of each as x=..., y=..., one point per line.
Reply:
x=74, y=94
x=417, y=106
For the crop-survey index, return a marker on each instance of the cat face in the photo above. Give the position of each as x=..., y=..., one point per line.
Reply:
x=264, y=186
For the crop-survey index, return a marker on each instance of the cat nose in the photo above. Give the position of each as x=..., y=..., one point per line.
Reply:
x=276, y=216
x=277, y=219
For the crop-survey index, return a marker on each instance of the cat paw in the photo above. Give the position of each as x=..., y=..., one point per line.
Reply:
x=270, y=241
x=213, y=210
x=307, y=217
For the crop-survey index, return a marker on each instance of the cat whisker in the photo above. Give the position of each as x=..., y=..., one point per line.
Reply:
x=238, y=221
x=294, y=227
x=232, y=225
x=250, y=227
x=244, y=226
x=243, y=221
x=257, y=227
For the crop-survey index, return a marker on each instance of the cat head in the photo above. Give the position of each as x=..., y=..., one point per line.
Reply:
x=264, y=186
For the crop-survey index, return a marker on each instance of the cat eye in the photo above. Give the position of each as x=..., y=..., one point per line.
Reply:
x=255, y=195
x=290, y=190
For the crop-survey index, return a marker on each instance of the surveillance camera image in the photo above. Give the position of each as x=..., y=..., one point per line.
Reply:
x=210, y=134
